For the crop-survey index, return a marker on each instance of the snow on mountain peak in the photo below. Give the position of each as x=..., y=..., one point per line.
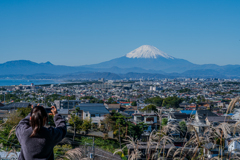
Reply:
x=147, y=51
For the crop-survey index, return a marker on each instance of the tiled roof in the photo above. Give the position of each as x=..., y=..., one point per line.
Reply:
x=15, y=105
x=180, y=115
x=113, y=106
x=219, y=119
x=205, y=113
x=93, y=108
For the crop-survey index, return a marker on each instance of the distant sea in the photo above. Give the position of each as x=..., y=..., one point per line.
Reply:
x=10, y=82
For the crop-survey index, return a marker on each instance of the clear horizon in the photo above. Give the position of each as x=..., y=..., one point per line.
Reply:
x=73, y=32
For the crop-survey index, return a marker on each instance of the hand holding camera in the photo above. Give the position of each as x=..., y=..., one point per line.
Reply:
x=53, y=110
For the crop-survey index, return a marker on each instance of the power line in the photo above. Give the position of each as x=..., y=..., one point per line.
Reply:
x=10, y=142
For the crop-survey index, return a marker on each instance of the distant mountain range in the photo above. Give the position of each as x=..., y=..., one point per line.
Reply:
x=145, y=61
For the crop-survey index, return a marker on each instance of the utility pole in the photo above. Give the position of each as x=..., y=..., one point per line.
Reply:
x=85, y=151
x=119, y=136
x=74, y=130
x=68, y=105
x=45, y=100
x=93, y=149
x=4, y=97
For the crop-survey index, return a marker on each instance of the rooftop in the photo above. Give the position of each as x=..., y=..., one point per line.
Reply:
x=93, y=108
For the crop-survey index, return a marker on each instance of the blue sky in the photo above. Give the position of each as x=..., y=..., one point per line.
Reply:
x=87, y=31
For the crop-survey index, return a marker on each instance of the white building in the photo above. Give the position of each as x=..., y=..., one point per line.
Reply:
x=234, y=147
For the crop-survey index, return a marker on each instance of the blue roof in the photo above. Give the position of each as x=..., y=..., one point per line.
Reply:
x=188, y=112
x=93, y=108
x=231, y=114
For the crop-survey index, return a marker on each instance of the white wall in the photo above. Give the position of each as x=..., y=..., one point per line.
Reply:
x=234, y=147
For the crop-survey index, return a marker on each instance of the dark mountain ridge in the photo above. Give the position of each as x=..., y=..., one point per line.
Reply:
x=145, y=60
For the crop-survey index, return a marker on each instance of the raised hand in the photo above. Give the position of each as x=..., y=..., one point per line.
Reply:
x=53, y=110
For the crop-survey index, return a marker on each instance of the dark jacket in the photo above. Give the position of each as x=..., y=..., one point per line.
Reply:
x=41, y=146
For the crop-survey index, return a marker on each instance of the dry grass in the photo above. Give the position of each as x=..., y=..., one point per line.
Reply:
x=212, y=138
x=75, y=154
x=232, y=104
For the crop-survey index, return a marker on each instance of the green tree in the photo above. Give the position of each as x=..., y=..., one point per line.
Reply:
x=136, y=130
x=105, y=144
x=201, y=98
x=72, y=97
x=110, y=100
x=60, y=150
x=155, y=100
x=78, y=122
x=5, y=139
x=149, y=107
x=23, y=112
x=185, y=90
x=86, y=125
x=49, y=104
x=101, y=101
x=134, y=103
x=164, y=121
x=92, y=99
x=77, y=110
x=192, y=100
x=183, y=126
x=10, y=97
x=172, y=101
x=115, y=120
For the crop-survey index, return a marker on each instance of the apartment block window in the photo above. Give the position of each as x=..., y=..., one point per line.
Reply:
x=92, y=115
x=149, y=119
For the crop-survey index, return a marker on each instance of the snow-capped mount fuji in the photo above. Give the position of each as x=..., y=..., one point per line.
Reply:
x=147, y=51
x=149, y=58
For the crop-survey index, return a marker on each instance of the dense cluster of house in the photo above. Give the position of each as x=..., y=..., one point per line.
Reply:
x=134, y=90
x=199, y=117
x=200, y=113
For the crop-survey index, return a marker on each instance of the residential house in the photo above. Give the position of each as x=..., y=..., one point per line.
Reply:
x=201, y=108
x=94, y=111
x=65, y=113
x=14, y=106
x=66, y=104
x=184, y=105
x=130, y=110
x=192, y=106
x=112, y=107
x=149, y=118
x=234, y=147
x=178, y=117
x=216, y=120
x=207, y=105
x=199, y=123
x=125, y=103
x=201, y=115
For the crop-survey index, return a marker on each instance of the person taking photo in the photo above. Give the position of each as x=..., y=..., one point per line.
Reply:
x=37, y=141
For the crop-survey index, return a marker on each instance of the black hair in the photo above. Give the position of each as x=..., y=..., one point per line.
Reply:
x=38, y=114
